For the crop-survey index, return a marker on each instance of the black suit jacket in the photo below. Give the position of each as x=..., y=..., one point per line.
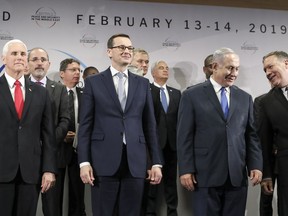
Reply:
x=273, y=129
x=59, y=100
x=166, y=122
x=28, y=144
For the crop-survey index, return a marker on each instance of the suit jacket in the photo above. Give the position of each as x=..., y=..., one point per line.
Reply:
x=102, y=124
x=274, y=130
x=28, y=144
x=59, y=100
x=210, y=146
x=166, y=122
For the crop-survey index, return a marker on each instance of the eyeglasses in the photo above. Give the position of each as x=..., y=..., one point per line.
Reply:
x=122, y=48
x=42, y=59
x=74, y=70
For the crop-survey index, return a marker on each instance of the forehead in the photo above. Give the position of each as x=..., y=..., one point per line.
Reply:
x=139, y=55
x=231, y=59
x=73, y=64
x=270, y=59
x=122, y=41
x=16, y=47
x=38, y=52
x=161, y=64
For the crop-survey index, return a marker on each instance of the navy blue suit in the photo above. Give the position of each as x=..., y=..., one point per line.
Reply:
x=218, y=151
x=100, y=138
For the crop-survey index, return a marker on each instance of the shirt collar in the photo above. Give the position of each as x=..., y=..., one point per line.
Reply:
x=73, y=89
x=11, y=80
x=157, y=85
x=217, y=87
x=114, y=71
x=43, y=81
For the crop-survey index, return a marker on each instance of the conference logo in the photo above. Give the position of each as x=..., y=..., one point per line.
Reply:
x=249, y=47
x=45, y=17
x=171, y=44
x=89, y=41
x=5, y=35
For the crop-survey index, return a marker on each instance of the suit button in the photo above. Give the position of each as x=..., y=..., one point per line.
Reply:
x=20, y=127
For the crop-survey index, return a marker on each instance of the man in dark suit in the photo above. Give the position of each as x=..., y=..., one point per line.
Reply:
x=265, y=204
x=217, y=143
x=273, y=127
x=115, y=132
x=70, y=75
x=39, y=64
x=166, y=119
x=27, y=143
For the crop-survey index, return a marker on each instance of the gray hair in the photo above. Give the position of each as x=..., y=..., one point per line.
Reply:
x=6, y=46
x=220, y=54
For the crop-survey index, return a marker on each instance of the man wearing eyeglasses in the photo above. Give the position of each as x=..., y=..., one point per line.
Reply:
x=117, y=125
x=38, y=61
x=70, y=75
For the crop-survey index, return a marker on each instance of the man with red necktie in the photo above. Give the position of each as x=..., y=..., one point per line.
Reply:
x=28, y=153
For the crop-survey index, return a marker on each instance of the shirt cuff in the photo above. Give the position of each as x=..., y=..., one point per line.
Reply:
x=84, y=164
x=157, y=165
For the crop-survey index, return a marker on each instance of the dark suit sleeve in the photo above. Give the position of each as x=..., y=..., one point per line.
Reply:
x=254, y=150
x=266, y=137
x=49, y=148
x=150, y=129
x=185, y=136
x=63, y=116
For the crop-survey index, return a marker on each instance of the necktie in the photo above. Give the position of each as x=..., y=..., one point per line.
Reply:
x=224, y=102
x=39, y=83
x=121, y=90
x=71, y=111
x=18, y=98
x=163, y=99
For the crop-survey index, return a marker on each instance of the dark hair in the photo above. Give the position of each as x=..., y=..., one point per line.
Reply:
x=279, y=55
x=66, y=62
x=88, y=69
x=110, y=42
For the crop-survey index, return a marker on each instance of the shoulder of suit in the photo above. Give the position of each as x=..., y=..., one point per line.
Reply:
x=169, y=88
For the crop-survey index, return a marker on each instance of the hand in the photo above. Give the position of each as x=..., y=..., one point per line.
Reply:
x=188, y=181
x=156, y=175
x=70, y=137
x=267, y=186
x=48, y=181
x=255, y=177
x=149, y=174
x=86, y=175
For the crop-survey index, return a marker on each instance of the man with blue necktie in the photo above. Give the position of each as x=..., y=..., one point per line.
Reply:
x=217, y=143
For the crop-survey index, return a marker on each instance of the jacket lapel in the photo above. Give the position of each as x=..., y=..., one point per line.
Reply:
x=6, y=93
x=29, y=88
x=132, y=86
x=109, y=84
x=212, y=97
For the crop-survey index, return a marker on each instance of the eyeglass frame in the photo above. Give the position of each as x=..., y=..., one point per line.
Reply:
x=123, y=48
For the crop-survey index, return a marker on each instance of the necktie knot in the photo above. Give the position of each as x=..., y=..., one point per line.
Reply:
x=39, y=83
x=17, y=83
x=120, y=75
